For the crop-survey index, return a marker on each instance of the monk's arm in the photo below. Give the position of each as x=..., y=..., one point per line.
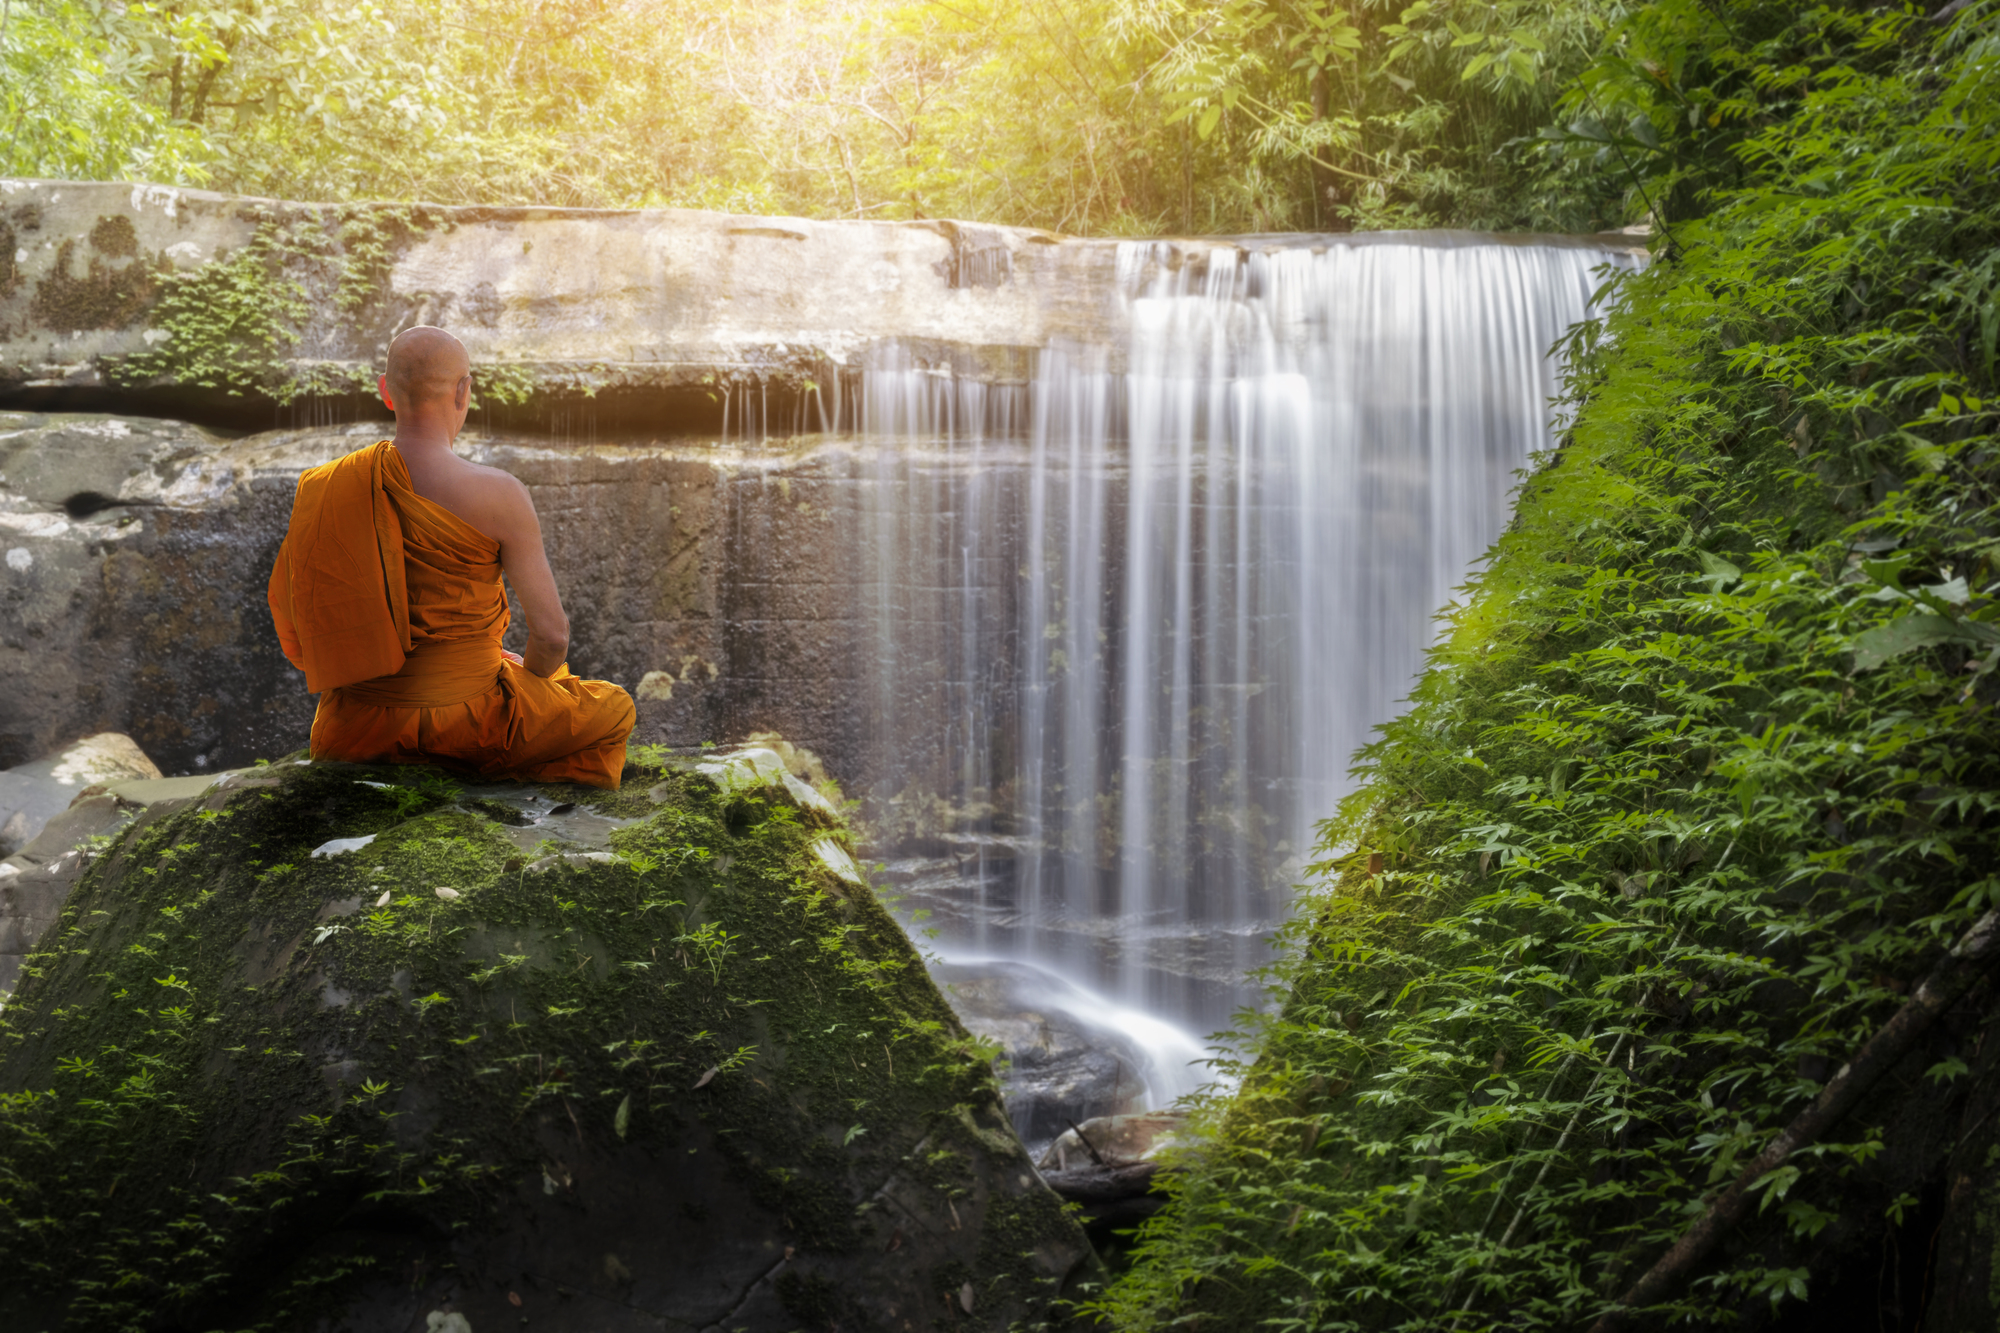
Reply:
x=527, y=565
x=279, y=594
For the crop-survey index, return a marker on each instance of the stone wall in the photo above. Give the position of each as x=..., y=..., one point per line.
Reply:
x=721, y=585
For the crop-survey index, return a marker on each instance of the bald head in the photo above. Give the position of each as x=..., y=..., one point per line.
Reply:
x=425, y=366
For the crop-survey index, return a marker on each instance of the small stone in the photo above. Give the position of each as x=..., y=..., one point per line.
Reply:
x=383, y=901
x=449, y=895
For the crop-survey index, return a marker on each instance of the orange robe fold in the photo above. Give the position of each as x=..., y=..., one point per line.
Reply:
x=392, y=605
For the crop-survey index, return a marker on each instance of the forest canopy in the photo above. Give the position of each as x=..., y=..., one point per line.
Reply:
x=1125, y=117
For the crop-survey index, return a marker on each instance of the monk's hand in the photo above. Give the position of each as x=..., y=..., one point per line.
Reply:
x=515, y=658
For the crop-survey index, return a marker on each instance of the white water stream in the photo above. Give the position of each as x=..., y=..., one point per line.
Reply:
x=1133, y=617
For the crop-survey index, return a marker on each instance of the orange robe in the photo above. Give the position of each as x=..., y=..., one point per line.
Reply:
x=392, y=606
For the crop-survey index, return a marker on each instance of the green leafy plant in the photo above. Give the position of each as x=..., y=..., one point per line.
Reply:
x=1698, y=784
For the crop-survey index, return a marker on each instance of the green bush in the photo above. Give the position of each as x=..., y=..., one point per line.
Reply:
x=1702, y=778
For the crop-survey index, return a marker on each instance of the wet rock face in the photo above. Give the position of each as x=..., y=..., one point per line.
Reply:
x=131, y=594
x=34, y=793
x=691, y=576
x=723, y=586
x=360, y=1059
x=1062, y=1068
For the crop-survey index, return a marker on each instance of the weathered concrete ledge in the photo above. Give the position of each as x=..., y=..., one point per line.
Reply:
x=671, y=304
x=162, y=301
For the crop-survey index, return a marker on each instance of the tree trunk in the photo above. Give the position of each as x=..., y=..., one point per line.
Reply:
x=1326, y=194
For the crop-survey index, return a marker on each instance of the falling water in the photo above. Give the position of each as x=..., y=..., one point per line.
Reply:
x=1134, y=616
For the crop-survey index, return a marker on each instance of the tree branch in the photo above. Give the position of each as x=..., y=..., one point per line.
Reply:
x=1949, y=980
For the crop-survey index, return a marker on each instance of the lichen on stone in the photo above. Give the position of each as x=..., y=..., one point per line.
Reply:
x=10, y=267
x=105, y=295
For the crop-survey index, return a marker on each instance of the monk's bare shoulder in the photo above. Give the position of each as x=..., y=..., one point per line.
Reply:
x=501, y=505
x=498, y=480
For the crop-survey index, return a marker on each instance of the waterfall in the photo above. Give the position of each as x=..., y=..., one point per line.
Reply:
x=1131, y=618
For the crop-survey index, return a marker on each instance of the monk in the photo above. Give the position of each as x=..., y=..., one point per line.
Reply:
x=387, y=595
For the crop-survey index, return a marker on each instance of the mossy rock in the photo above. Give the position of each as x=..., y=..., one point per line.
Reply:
x=702, y=1081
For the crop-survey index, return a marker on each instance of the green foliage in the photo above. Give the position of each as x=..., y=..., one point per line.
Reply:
x=1702, y=779
x=75, y=97
x=229, y=323
x=1122, y=116
x=1391, y=116
x=502, y=386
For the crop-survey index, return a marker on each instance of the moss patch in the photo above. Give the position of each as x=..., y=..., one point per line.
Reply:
x=233, y=323
x=242, y=1084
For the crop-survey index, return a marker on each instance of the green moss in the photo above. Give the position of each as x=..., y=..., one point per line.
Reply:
x=233, y=322
x=814, y=1301
x=313, y=1036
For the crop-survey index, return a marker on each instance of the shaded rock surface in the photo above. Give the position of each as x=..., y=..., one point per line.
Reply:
x=1061, y=1066
x=131, y=594
x=685, y=1079
x=34, y=793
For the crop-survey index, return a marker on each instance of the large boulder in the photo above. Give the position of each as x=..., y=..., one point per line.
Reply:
x=337, y=1048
